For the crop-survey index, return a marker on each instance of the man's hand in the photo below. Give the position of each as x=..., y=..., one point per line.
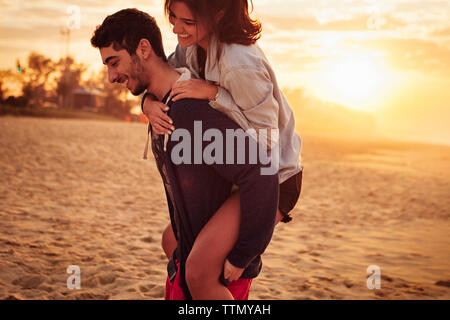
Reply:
x=154, y=111
x=195, y=89
x=230, y=272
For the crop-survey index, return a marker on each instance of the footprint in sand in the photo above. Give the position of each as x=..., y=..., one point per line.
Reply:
x=91, y=296
x=146, y=288
x=99, y=280
x=90, y=282
x=443, y=283
x=13, y=297
x=348, y=284
x=156, y=292
x=148, y=239
x=107, y=278
x=29, y=282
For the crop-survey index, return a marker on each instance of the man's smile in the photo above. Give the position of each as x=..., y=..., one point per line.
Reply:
x=124, y=80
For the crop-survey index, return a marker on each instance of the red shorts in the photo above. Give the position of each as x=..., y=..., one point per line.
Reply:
x=239, y=288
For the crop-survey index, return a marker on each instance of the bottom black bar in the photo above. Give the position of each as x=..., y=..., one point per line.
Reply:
x=195, y=310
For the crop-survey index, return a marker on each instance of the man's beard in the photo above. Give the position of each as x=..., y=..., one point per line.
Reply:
x=137, y=73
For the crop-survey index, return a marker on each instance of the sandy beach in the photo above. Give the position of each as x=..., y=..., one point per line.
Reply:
x=77, y=192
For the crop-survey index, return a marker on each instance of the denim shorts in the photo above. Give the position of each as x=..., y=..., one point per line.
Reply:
x=289, y=195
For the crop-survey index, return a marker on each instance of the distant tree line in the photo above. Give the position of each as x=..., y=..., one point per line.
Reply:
x=43, y=82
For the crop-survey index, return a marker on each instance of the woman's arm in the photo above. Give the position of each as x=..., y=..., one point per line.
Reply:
x=154, y=110
x=247, y=98
x=249, y=90
x=156, y=113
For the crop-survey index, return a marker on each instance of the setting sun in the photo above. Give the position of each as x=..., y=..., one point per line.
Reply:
x=355, y=79
x=355, y=82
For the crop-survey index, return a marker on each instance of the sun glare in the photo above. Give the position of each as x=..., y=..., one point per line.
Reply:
x=356, y=79
x=353, y=82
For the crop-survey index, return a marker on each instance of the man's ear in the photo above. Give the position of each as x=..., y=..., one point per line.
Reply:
x=144, y=49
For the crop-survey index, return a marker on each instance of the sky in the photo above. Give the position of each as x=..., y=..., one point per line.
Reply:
x=390, y=58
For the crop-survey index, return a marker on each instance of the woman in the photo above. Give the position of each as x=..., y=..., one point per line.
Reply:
x=217, y=42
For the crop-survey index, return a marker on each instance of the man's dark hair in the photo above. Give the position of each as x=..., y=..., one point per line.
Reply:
x=125, y=29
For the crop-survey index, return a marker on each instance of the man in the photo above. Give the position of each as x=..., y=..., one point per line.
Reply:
x=131, y=47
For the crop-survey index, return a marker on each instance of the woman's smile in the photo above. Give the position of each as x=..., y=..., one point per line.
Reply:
x=188, y=30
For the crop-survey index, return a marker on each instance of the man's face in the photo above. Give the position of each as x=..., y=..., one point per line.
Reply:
x=125, y=69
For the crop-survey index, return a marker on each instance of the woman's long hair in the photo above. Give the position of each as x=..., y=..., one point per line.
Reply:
x=228, y=20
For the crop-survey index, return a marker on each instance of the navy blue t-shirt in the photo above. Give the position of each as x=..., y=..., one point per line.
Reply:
x=196, y=191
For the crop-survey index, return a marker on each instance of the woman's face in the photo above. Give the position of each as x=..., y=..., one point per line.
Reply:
x=186, y=27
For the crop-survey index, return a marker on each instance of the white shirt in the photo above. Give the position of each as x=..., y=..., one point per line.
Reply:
x=248, y=94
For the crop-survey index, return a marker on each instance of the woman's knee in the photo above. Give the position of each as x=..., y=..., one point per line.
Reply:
x=198, y=273
x=193, y=272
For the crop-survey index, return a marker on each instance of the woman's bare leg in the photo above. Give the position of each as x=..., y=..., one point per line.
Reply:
x=169, y=242
x=205, y=262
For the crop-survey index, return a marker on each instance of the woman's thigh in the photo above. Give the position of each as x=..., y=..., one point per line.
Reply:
x=218, y=237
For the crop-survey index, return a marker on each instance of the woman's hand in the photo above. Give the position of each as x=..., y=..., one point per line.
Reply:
x=230, y=272
x=154, y=111
x=195, y=89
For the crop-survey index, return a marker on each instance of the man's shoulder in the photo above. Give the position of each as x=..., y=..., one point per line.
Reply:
x=190, y=110
x=189, y=102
